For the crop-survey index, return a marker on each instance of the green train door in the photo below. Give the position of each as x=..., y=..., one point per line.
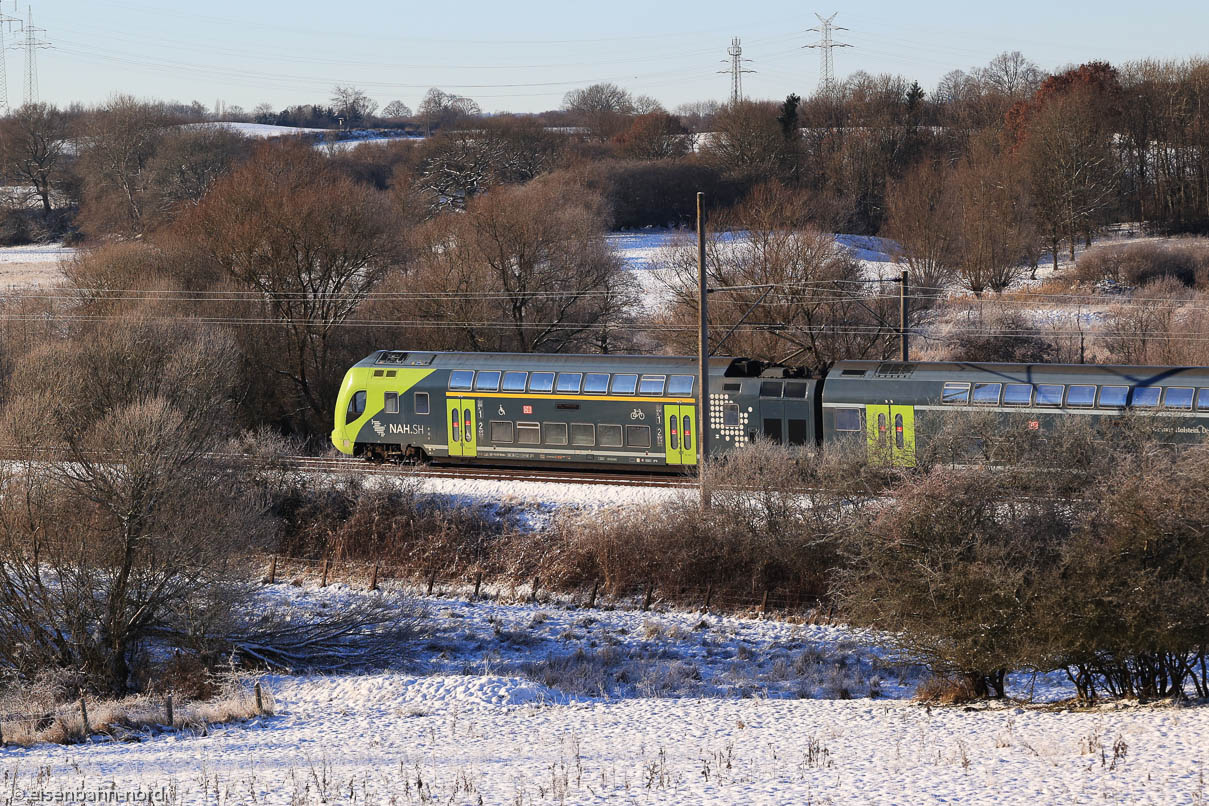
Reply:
x=680, y=434
x=463, y=433
x=890, y=435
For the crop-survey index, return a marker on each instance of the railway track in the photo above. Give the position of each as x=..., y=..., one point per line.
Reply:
x=333, y=465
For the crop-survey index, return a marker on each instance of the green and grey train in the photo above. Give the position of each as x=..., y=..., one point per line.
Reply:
x=642, y=411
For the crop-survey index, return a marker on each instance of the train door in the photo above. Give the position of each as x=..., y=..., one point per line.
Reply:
x=463, y=433
x=902, y=445
x=772, y=417
x=680, y=434
x=890, y=435
x=877, y=434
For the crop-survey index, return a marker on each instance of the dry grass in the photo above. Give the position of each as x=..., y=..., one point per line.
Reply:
x=30, y=716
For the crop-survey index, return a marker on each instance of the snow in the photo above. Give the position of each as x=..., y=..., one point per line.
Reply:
x=644, y=253
x=466, y=717
x=33, y=266
x=261, y=130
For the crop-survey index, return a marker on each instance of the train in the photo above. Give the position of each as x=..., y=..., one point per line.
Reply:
x=631, y=411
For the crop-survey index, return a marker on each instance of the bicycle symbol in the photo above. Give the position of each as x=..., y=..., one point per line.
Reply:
x=637, y=414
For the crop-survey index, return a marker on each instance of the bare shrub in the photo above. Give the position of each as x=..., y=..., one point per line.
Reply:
x=1136, y=264
x=775, y=521
x=999, y=335
x=400, y=525
x=946, y=690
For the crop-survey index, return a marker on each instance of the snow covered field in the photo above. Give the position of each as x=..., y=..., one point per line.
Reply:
x=503, y=703
x=33, y=266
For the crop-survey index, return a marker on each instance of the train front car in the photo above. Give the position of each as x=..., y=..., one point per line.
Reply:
x=521, y=409
x=893, y=408
x=384, y=409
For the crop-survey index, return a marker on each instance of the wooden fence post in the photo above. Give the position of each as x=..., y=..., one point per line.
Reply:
x=709, y=594
x=432, y=580
x=1, y=734
x=478, y=583
x=326, y=563
x=373, y=580
x=259, y=698
x=273, y=569
x=764, y=603
x=84, y=715
x=533, y=594
x=592, y=598
x=171, y=715
x=650, y=590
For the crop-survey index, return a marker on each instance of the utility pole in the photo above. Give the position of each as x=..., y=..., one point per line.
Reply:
x=736, y=69
x=702, y=356
x=904, y=315
x=825, y=45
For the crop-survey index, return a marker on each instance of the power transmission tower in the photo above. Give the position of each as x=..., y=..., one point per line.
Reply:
x=32, y=45
x=825, y=45
x=736, y=69
x=6, y=22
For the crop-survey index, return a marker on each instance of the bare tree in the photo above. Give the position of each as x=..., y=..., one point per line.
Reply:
x=33, y=148
x=133, y=531
x=442, y=110
x=353, y=105
x=654, y=136
x=602, y=108
x=1012, y=74
x=118, y=142
x=396, y=110
x=525, y=269
x=992, y=220
x=314, y=243
x=921, y=217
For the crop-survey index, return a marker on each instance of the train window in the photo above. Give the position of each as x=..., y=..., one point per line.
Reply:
x=624, y=385
x=541, y=382
x=987, y=394
x=596, y=383
x=390, y=403
x=688, y=432
x=461, y=379
x=514, y=381
x=610, y=436
x=1178, y=397
x=356, y=406
x=680, y=385
x=501, y=431
x=554, y=433
x=638, y=436
x=1202, y=399
x=772, y=429
x=795, y=390
x=1113, y=397
x=954, y=394
x=455, y=426
x=1145, y=397
x=732, y=387
x=651, y=384
x=487, y=381
x=771, y=389
x=1017, y=394
x=583, y=434
x=390, y=373
x=797, y=432
x=378, y=373
x=419, y=402
x=850, y=419
x=1049, y=394
x=730, y=415
x=569, y=382
x=899, y=437
x=528, y=434
x=1080, y=396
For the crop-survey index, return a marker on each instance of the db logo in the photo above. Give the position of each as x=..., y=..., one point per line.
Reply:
x=1033, y=425
x=526, y=409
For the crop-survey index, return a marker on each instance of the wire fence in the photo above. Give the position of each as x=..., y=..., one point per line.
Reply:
x=739, y=597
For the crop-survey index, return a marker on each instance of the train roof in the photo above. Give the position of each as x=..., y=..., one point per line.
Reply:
x=718, y=365
x=1026, y=373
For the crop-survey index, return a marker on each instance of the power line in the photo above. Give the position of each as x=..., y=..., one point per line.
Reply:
x=825, y=45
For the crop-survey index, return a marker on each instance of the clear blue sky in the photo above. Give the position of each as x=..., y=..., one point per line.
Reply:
x=524, y=56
